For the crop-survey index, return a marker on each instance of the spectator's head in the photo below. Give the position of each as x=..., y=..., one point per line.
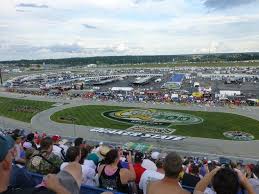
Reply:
x=17, y=138
x=84, y=154
x=256, y=171
x=30, y=137
x=27, y=145
x=46, y=144
x=233, y=165
x=73, y=154
x=138, y=158
x=112, y=157
x=17, y=132
x=154, y=156
x=7, y=154
x=225, y=181
x=211, y=165
x=78, y=141
x=160, y=160
x=172, y=165
x=56, y=139
x=194, y=169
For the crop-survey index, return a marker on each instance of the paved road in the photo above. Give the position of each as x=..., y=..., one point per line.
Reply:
x=198, y=146
x=7, y=123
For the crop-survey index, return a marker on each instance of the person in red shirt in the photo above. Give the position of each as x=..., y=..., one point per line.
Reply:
x=139, y=170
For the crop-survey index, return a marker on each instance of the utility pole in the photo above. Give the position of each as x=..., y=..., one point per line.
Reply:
x=1, y=78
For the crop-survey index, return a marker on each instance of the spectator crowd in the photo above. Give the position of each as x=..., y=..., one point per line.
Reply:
x=67, y=165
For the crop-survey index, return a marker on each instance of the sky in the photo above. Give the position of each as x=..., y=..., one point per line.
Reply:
x=39, y=29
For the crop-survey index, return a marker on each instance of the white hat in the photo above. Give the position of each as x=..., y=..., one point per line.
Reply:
x=148, y=165
x=155, y=155
x=27, y=145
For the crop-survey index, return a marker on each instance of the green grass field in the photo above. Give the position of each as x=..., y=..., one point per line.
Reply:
x=213, y=126
x=22, y=110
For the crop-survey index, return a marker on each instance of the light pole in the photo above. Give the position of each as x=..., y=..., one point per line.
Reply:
x=73, y=121
x=71, y=118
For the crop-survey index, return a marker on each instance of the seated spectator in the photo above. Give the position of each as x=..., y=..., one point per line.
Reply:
x=224, y=180
x=28, y=150
x=30, y=139
x=192, y=178
x=43, y=161
x=19, y=174
x=89, y=173
x=139, y=170
x=7, y=154
x=74, y=155
x=103, y=150
x=249, y=170
x=112, y=177
x=71, y=177
x=172, y=167
x=151, y=175
x=57, y=148
x=79, y=142
x=148, y=164
x=18, y=147
x=93, y=159
x=84, y=159
x=255, y=179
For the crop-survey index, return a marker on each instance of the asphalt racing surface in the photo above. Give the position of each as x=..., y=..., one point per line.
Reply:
x=189, y=146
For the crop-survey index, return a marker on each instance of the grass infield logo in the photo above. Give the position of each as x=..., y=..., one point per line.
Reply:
x=238, y=135
x=153, y=117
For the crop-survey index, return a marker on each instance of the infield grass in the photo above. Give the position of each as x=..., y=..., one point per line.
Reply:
x=22, y=110
x=213, y=126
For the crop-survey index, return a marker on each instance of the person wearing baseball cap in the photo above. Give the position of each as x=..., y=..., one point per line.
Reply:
x=57, y=149
x=7, y=154
x=6, y=144
x=67, y=183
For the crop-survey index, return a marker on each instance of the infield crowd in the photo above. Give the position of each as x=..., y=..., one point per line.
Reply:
x=66, y=166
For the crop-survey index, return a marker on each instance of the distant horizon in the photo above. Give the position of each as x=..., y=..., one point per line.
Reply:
x=45, y=29
x=41, y=59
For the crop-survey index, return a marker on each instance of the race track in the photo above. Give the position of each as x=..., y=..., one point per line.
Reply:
x=190, y=145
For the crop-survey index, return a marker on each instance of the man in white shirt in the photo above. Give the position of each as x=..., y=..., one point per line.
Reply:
x=74, y=155
x=57, y=148
x=152, y=175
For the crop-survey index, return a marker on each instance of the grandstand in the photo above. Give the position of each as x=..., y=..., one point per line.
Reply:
x=175, y=81
x=194, y=168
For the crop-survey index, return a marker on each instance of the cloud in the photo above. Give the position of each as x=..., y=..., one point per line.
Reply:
x=32, y=5
x=140, y=1
x=25, y=50
x=65, y=48
x=20, y=10
x=224, y=4
x=89, y=26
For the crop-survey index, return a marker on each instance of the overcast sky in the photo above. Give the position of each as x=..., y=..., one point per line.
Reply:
x=33, y=29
